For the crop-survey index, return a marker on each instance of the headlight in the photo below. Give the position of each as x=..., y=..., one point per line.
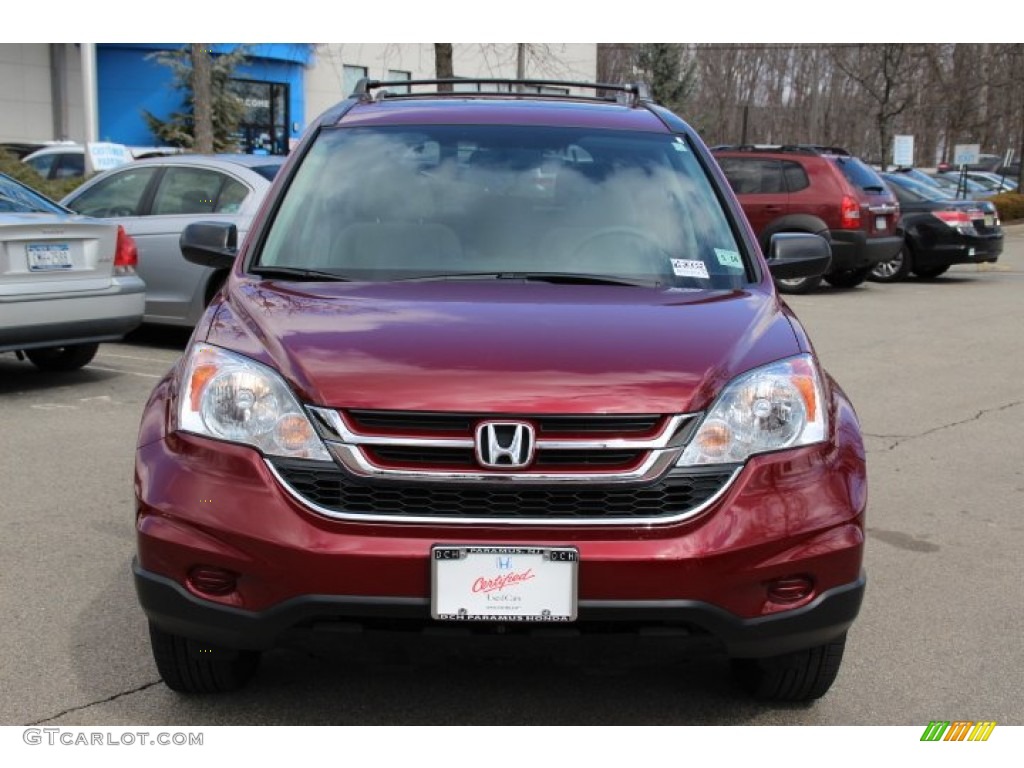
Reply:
x=776, y=406
x=230, y=397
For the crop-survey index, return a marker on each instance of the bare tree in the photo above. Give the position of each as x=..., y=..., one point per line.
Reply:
x=885, y=73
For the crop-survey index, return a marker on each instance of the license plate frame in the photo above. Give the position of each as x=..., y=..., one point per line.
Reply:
x=49, y=257
x=504, y=583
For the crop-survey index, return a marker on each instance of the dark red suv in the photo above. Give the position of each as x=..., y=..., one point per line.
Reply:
x=816, y=189
x=501, y=362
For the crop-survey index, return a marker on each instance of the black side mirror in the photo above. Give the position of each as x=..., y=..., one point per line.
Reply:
x=796, y=254
x=210, y=244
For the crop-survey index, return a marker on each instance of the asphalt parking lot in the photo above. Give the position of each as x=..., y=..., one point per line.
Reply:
x=934, y=368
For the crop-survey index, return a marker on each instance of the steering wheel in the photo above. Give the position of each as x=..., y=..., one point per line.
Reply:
x=622, y=250
x=111, y=213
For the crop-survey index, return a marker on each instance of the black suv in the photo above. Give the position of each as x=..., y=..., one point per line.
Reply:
x=823, y=190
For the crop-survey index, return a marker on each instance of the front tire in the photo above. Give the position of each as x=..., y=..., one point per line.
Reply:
x=895, y=269
x=189, y=666
x=798, y=285
x=848, y=278
x=799, y=676
x=62, y=359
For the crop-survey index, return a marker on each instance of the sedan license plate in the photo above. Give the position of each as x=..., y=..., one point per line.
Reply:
x=990, y=220
x=881, y=222
x=480, y=583
x=48, y=257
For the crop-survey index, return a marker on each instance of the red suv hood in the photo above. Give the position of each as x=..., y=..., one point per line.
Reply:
x=503, y=347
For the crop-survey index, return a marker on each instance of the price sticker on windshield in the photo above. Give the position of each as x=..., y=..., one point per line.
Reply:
x=729, y=258
x=689, y=268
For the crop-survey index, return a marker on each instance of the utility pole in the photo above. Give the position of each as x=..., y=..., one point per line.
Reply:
x=443, y=67
x=89, y=91
x=520, y=64
x=202, y=91
x=1020, y=158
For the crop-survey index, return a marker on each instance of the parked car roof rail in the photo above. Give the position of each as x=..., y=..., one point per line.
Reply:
x=800, y=149
x=628, y=93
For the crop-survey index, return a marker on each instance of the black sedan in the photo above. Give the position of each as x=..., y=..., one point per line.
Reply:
x=940, y=231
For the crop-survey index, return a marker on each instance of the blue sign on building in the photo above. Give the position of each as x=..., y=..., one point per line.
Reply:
x=270, y=82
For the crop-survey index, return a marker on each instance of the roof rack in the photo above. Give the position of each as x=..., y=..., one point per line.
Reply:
x=800, y=149
x=826, y=149
x=624, y=93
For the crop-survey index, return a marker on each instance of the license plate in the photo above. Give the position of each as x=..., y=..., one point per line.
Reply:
x=47, y=257
x=990, y=220
x=481, y=583
x=881, y=223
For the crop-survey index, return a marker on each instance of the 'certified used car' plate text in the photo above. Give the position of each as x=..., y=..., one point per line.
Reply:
x=474, y=583
x=45, y=257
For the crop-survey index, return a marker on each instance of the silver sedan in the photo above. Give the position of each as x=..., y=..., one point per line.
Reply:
x=67, y=282
x=156, y=199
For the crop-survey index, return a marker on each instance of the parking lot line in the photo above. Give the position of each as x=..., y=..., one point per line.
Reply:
x=130, y=373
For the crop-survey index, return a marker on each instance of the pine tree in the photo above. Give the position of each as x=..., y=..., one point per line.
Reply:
x=178, y=129
x=670, y=73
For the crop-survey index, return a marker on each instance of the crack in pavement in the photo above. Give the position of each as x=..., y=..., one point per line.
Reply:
x=69, y=710
x=900, y=439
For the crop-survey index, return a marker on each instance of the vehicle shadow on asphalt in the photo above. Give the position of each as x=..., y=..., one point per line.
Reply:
x=22, y=377
x=411, y=679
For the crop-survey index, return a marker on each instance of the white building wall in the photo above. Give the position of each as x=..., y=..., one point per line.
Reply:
x=325, y=79
x=26, y=104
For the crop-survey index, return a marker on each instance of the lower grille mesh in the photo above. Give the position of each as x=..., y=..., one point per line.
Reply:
x=325, y=485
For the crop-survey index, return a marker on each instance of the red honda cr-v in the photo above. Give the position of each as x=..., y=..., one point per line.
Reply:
x=499, y=362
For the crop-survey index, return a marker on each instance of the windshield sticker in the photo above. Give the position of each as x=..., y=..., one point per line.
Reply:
x=689, y=268
x=680, y=145
x=729, y=258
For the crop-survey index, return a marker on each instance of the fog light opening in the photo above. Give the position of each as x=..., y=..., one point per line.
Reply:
x=791, y=589
x=211, y=580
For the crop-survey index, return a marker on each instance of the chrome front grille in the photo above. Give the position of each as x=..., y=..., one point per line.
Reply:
x=420, y=422
x=590, y=470
x=442, y=447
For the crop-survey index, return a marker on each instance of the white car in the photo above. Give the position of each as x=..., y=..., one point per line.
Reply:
x=66, y=159
x=993, y=181
x=67, y=282
x=155, y=199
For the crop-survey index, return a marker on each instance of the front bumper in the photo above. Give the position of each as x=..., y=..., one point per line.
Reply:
x=171, y=607
x=798, y=512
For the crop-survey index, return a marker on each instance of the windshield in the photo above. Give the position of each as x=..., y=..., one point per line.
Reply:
x=17, y=198
x=504, y=201
x=919, y=176
x=268, y=172
x=910, y=189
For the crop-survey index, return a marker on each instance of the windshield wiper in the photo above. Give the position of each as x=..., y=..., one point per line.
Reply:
x=873, y=188
x=297, y=273
x=575, y=278
x=566, y=278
